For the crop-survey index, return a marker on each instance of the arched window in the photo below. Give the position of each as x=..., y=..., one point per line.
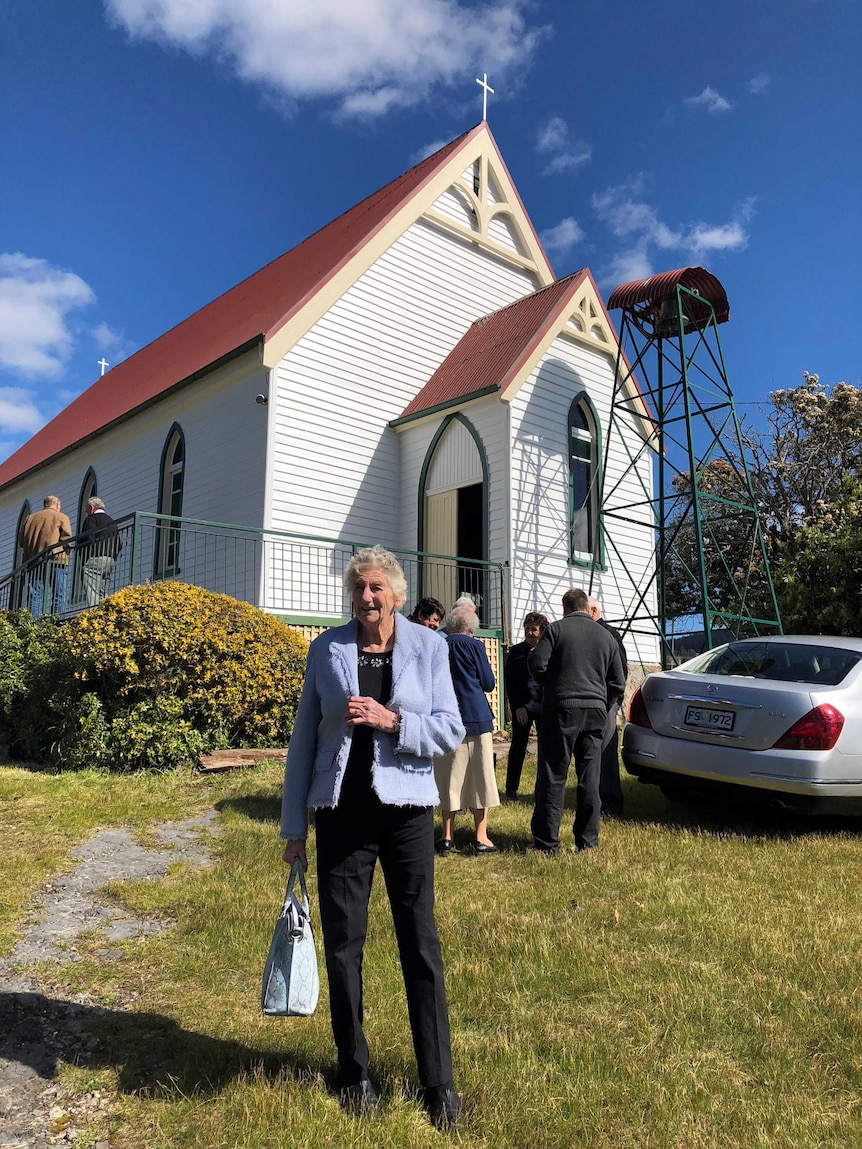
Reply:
x=19, y=584
x=583, y=482
x=171, y=477
x=89, y=490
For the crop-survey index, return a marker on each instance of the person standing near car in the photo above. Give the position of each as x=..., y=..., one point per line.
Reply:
x=100, y=542
x=577, y=664
x=610, y=788
x=525, y=698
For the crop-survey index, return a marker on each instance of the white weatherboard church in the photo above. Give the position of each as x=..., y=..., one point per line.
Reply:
x=412, y=374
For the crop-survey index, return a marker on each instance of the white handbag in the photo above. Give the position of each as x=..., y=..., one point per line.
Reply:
x=290, y=980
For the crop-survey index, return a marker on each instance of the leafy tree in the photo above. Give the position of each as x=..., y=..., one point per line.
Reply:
x=803, y=460
x=819, y=578
x=810, y=443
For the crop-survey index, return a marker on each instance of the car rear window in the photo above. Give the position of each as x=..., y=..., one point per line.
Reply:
x=777, y=661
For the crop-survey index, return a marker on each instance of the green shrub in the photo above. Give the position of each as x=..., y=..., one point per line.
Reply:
x=154, y=677
x=25, y=648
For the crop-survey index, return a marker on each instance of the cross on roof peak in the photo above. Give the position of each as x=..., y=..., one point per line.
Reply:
x=486, y=88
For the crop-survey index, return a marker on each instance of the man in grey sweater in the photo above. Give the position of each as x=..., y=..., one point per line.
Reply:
x=578, y=665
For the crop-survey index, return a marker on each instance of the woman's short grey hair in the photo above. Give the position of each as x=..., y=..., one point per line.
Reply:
x=376, y=558
x=96, y=502
x=462, y=618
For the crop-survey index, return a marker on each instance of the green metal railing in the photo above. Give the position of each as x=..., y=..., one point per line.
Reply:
x=292, y=574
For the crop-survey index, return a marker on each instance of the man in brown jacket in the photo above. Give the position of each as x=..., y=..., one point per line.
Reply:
x=47, y=528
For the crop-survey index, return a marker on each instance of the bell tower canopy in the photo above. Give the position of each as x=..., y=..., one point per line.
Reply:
x=644, y=298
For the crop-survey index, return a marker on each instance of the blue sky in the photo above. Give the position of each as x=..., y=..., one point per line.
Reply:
x=158, y=151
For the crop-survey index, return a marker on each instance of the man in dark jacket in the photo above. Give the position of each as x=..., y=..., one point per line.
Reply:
x=525, y=698
x=610, y=788
x=101, y=544
x=578, y=666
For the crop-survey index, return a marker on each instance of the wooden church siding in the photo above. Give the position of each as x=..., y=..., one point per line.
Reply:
x=500, y=230
x=225, y=438
x=456, y=207
x=541, y=570
x=335, y=460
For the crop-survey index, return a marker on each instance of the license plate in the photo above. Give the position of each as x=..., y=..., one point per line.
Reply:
x=707, y=719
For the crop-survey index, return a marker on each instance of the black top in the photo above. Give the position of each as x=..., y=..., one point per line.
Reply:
x=375, y=681
x=522, y=690
x=101, y=535
x=614, y=633
x=578, y=664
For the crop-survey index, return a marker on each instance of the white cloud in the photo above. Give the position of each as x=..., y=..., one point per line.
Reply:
x=112, y=344
x=35, y=302
x=627, y=266
x=428, y=150
x=625, y=215
x=553, y=141
x=710, y=99
x=19, y=415
x=561, y=239
x=371, y=55
x=725, y=237
x=628, y=216
x=758, y=84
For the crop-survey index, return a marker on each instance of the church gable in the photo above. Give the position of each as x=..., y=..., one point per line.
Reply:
x=483, y=206
x=477, y=203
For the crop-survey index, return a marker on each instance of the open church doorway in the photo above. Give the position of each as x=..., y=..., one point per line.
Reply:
x=454, y=515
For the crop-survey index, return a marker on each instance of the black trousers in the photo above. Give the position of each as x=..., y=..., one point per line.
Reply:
x=610, y=787
x=349, y=842
x=517, y=751
x=565, y=732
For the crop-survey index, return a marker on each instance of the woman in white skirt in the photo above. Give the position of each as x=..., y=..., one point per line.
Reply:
x=466, y=778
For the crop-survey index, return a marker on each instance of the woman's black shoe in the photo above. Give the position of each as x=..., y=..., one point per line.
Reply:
x=444, y=847
x=443, y=1105
x=483, y=848
x=360, y=1098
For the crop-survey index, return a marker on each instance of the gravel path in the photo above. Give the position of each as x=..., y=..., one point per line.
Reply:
x=38, y=1030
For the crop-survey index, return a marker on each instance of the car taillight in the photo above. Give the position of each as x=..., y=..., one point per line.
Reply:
x=816, y=730
x=637, y=710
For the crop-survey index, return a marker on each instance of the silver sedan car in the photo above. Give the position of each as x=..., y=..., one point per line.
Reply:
x=778, y=719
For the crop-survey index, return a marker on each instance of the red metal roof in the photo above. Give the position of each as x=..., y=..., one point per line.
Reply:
x=255, y=309
x=660, y=287
x=492, y=349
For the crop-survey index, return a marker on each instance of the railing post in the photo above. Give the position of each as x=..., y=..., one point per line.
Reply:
x=134, y=557
x=504, y=614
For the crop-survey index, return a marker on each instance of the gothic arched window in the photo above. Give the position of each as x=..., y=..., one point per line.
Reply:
x=171, y=480
x=583, y=482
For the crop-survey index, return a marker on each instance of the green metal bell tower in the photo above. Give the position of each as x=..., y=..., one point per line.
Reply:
x=710, y=566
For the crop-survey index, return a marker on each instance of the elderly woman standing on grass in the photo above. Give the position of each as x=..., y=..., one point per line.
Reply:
x=466, y=777
x=377, y=706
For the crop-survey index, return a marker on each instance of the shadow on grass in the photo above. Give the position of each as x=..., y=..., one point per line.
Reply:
x=154, y=1056
x=261, y=807
x=720, y=814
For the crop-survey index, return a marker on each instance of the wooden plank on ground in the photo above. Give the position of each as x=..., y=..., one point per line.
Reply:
x=234, y=759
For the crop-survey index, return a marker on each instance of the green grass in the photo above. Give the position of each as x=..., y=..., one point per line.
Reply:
x=693, y=984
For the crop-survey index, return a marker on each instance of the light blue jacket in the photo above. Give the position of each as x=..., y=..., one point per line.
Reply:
x=401, y=772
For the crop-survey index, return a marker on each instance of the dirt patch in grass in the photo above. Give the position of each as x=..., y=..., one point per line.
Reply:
x=69, y=921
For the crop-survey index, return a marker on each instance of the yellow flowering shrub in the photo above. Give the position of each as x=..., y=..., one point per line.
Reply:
x=157, y=675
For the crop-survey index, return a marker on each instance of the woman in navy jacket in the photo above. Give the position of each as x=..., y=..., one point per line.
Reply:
x=376, y=707
x=466, y=778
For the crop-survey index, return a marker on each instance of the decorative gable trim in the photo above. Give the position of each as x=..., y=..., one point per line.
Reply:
x=582, y=318
x=487, y=191
x=494, y=183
